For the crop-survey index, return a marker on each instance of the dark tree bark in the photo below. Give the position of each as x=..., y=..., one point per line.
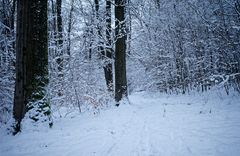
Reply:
x=53, y=6
x=31, y=61
x=69, y=29
x=106, y=53
x=120, y=51
x=109, y=51
x=59, y=22
x=59, y=38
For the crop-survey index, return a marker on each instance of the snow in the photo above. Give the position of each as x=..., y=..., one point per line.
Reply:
x=205, y=124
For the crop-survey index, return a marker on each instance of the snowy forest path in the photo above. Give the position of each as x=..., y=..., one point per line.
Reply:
x=148, y=126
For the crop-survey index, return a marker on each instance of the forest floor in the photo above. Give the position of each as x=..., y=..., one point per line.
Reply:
x=205, y=124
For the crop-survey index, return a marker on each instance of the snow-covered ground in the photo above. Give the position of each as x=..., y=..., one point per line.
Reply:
x=152, y=125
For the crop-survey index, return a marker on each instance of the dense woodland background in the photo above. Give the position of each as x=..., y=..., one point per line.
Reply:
x=176, y=46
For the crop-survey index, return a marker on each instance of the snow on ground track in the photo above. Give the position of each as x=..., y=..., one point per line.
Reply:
x=158, y=125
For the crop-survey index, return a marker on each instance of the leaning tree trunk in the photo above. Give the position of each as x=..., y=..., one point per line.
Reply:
x=120, y=51
x=31, y=62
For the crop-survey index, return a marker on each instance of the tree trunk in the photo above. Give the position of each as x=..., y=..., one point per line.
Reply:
x=59, y=45
x=69, y=29
x=31, y=61
x=106, y=53
x=109, y=51
x=120, y=51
